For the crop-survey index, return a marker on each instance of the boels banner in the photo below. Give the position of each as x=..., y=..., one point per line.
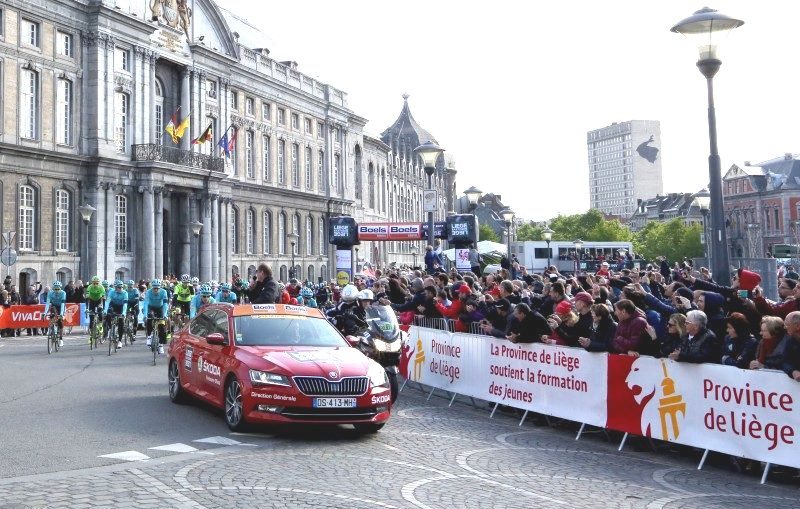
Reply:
x=389, y=231
x=25, y=317
x=746, y=413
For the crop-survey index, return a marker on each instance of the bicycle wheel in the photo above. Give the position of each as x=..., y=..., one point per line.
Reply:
x=50, y=336
x=111, y=343
x=59, y=336
x=155, y=343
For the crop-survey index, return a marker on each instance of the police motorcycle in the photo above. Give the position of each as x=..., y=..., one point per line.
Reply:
x=372, y=328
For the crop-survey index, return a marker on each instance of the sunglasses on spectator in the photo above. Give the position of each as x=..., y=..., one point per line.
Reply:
x=670, y=324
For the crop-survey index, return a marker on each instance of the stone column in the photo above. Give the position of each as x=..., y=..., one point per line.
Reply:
x=184, y=218
x=205, y=240
x=214, y=232
x=147, y=252
x=151, y=129
x=225, y=236
x=158, y=234
x=111, y=233
x=186, y=107
x=97, y=198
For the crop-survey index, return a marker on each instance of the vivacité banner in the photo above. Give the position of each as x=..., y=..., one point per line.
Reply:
x=746, y=413
x=24, y=317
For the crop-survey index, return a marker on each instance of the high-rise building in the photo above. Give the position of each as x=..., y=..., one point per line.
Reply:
x=624, y=165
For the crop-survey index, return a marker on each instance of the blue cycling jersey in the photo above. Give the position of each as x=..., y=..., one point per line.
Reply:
x=117, y=298
x=133, y=296
x=155, y=299
x=221, y=297
x=56, y=298
x=197, y=304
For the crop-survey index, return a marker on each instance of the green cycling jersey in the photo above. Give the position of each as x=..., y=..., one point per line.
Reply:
x=183, y=292
x=95, y=293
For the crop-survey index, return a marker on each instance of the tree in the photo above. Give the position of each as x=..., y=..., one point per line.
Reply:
x=589, y=226
x=485, y=232
x=673, y=240
x=529, y=231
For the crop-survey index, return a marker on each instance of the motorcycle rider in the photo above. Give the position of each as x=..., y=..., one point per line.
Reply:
x=365, y=300
x=343, y=315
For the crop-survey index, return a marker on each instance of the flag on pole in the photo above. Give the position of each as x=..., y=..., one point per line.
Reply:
x=232, y=141
x=223, y=142
x=170, y=128
x=181, y=129
x=206, y=135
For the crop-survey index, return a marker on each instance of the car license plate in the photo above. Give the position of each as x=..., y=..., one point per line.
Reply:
x=334, y=402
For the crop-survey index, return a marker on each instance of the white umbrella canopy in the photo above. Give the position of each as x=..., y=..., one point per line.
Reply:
x=485, y=247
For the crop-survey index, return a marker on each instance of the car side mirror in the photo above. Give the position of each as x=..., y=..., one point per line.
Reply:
x=215, y=339
x=353, y=340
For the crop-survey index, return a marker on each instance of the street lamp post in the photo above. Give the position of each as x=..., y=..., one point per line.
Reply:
x=508, y=217
x=86, y=212
x=703, y=199
x=706, y=25
x=429, y=152
x=547, y=235
x=473, y=194
x=414, y=255
x=356, y=267
x=293, y=241
x=578, y=245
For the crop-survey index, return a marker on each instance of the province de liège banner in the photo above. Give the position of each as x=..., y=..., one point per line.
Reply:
x=746, y=413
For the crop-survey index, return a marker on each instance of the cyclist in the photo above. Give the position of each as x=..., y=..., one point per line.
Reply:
x=117, y=301
x=133, y=305
x=94, y=294
x=156, y=305
x=182, y=295
x=225, y=294
x=57, y=297
x=201, y=300
x=308, y=297
x=196, y=284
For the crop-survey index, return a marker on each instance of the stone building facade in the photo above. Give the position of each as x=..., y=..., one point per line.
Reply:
x=88, y=86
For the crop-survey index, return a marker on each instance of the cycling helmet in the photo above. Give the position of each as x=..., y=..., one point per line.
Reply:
x=366, y=295
x=131, y=283
x=105, y=283
x=349, y=293
x=205, y=290
x=293, y=281
x=56, y=285
x=155, y=283
x=185, y=278
x=225, y=287
x=306, y=292
x=95, y=279
x=195, y=280
x=118, y=283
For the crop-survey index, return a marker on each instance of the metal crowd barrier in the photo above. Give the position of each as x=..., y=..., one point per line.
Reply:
x=445, y=324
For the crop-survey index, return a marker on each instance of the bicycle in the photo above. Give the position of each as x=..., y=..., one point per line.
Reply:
x=95, y=331
x=53, y=334
x=113, y=331
x=177, y=318
x=158, y=324
x=129, y=329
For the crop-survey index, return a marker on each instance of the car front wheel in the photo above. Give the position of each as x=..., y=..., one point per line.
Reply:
x=176, y=392
x=234, y=411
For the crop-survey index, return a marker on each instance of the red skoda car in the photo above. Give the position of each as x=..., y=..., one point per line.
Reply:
x=275, y=363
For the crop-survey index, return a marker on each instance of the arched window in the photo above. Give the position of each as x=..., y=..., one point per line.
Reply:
x=27, y=218
x=62, y=220
x=310, y=273
x=309, y=235
x=250, y=232
x=267, y=232
x=158, y=133
x=283, y=273
x=371, y=185
x=282, y=233
x=64, y=112
x=323, y=272
x=121, y=222
x=234, y=229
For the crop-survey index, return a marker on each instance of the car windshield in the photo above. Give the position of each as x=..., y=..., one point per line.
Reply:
x=277, y=330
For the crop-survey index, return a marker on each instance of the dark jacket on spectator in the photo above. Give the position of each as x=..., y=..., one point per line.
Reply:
x=581, y=329
x=780, y=309
x=739, y=351
x=704, y=347
x=791, y=356
x=629, y=335
x=411, y=305
x=264, y=292
x=713, y=310
x=531, y=329
x=601, y=335
x=666, y=344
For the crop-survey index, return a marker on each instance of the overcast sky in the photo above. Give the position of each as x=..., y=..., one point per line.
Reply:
x=510, y=88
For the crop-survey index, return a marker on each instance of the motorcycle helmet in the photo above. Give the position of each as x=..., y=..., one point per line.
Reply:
x=185, y=278
x=366, y=295
x=349, y=293
x=56, y=285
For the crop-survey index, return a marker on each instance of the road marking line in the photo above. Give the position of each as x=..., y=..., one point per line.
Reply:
x=126, y=456
x=174, y=448
x=218, y=440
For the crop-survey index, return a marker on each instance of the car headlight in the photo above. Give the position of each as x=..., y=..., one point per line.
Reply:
x=377, y=375
x=265, y=378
